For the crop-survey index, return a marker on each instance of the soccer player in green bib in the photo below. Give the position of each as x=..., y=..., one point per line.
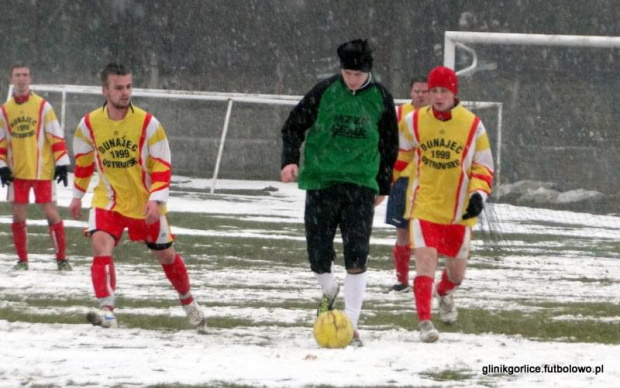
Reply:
x=349, y=126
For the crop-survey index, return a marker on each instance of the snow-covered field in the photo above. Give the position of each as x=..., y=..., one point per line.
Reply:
x=37, y=354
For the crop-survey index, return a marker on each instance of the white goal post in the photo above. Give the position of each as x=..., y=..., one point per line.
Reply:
x=230, y=98
x=454, y=39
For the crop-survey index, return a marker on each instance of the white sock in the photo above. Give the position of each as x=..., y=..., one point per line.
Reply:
x=354, y=289
x=328, y=283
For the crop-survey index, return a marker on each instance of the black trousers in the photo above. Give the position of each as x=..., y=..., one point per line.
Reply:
x=344, y=205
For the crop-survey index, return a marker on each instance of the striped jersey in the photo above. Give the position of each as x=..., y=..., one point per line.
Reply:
x=403, y=165
x=32, y=142
x=452, y=160
x=404, y=157
x=132, y=157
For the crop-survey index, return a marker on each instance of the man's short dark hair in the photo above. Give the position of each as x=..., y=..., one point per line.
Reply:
x=113, y=69
x=416, y=79
x=18, y=65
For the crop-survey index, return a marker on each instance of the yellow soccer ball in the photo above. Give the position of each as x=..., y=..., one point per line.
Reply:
x=333, y=329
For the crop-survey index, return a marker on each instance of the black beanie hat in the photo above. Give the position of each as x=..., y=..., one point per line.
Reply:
x=356, y=55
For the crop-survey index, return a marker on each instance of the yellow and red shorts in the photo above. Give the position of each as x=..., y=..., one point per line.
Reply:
x=449, y=240
x=19, y=191
x=114, y=223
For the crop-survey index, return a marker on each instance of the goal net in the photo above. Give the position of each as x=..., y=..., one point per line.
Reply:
x=558, y=187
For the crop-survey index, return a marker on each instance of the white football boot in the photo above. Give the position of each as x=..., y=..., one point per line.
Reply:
x=428, y=333
x=102, y=317
x=195, y=317
x=327, y=302
x=447, y=309
x=356, y=341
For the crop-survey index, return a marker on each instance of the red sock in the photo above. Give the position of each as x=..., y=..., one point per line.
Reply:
x=103, y=275
x=57, y=232
x=402, y=257
x=20, y=239
x=423, y=295
x=445, y=285
x=177, y=274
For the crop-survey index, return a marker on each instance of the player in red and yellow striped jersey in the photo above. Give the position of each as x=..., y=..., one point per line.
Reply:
x=452, y=179
x=129, y=149
x=32, y=154
x=397, y=201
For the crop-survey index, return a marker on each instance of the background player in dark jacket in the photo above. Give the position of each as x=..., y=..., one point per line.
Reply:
x=350, y=130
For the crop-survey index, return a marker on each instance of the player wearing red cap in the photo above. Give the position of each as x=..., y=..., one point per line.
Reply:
x=452, y=180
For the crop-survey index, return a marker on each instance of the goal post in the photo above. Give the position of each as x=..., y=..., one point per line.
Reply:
x=453, y=37
x=459, y=39
x=543, y=172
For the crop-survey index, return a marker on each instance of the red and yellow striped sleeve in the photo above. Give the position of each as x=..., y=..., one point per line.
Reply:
x=83, y=150
x=482, y=169
x=405, y=156
x=55, y=136
x=158, y=162
x=3, y=146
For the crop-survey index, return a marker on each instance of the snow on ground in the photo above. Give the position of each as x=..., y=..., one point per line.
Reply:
x=35, y=354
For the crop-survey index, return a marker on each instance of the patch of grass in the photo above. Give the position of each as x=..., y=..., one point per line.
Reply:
x=584, y=279
x=54, y=302
x=13, y=315
x=137, y=321
x=449, y=375
x=537, y=325
x=203, y=221
x=47, y=301
x=370, y=386
x=242, y=251
x=580, y=308
x=212, y=384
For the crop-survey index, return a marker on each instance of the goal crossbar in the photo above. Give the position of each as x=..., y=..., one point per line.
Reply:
x=451, y=38
x=454, y=39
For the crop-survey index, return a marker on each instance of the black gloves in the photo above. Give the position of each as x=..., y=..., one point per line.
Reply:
x=475, y=206
x=60, y=174
x=6, y=176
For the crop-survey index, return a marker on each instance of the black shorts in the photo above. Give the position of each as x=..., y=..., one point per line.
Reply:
x=397, y=204
x=344, y=205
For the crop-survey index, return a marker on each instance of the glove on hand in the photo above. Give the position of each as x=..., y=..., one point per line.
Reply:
x=60, y=174
x=6, y=176
x=475, y=206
